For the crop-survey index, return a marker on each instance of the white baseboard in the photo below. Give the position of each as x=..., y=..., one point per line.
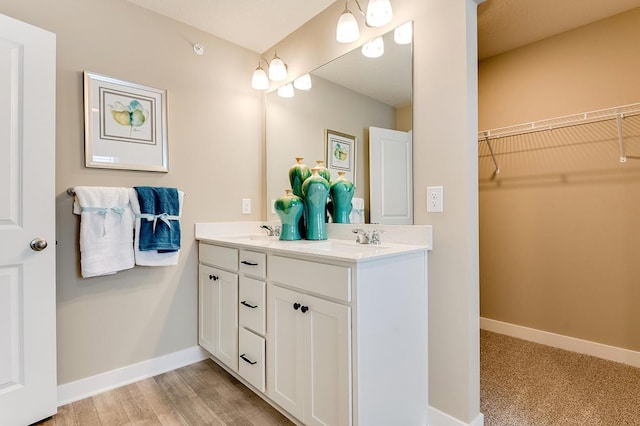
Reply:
x=84, y=388
x=586, y=347
x=439, y=418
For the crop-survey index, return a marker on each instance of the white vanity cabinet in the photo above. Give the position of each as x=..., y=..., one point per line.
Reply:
x=218, y=303
x=331, y=338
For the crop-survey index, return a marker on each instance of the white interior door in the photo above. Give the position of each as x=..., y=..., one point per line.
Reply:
x=27, y=221
x=390, y=177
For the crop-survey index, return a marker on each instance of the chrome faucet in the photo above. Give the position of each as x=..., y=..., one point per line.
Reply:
x=272, y=231
x=367, y=237
x=362, y=236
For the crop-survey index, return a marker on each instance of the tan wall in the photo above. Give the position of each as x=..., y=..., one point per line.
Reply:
x=445, y=153
x=295, y=127
x=404, y=118
x=110, y=322
x=558, y=226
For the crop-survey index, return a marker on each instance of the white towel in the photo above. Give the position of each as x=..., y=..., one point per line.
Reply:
x=151, y=257
x=357, y=210
x=106, y=230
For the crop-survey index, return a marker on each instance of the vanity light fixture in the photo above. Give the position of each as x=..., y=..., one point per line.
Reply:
x=373, y=48
x=347, y=30
x=260, y=81
x=286, y=91
x=277, y=69
x=277, y=72
x=303, y=82
x=403, y=34
x=379, y=13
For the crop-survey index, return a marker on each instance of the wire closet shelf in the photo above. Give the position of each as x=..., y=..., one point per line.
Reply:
x=616, y=113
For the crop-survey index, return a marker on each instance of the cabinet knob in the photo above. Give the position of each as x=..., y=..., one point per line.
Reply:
x=213, y=277
x=304, y=309
x=296, y=306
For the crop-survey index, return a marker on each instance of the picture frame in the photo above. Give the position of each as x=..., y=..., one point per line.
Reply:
x=125, y=125
x=340, y=154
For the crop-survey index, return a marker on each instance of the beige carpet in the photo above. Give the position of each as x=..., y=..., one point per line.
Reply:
x=527, y=384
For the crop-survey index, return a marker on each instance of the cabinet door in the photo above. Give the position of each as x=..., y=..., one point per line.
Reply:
x=329, y=384
x=219, y=314
x=285, y=382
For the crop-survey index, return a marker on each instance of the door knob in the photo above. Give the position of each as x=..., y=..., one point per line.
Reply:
x=38, y=244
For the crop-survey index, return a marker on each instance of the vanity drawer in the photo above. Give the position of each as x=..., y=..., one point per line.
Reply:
x=252, y=312
x=319, y=278
x=251, y=359
x=222, y=257
x=253, y=263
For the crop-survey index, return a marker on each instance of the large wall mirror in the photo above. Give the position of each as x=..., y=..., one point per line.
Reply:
x=350, y=95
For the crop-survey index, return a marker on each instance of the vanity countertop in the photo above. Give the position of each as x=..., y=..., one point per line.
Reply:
x=332, y=248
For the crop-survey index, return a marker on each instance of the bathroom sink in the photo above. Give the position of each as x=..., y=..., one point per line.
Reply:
x=340, y=247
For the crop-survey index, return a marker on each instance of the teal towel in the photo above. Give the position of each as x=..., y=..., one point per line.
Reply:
x=159, y=220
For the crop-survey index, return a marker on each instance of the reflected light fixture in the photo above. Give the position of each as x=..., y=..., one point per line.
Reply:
x=303, y=82
x=286, y=91
x=379, y=13
x=277, y=69
x=347, y=30
x=373, y=48
x=403, y=34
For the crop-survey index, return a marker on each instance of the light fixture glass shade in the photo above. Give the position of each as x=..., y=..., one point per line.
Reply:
x=347, y=30
x=277, y=69
x=379, y=13
x=286, y=91
x=403, y=34
x=260, y=81
x=303, y=82
x=374, y=48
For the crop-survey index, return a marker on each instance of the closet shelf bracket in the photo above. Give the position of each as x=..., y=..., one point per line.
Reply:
x=623, y=156
x=493, y=156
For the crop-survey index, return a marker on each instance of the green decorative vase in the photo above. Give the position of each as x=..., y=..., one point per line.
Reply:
x=298, y=173
x=289, y=208
x=316, y=191
x=341, y=191
x=322, y=170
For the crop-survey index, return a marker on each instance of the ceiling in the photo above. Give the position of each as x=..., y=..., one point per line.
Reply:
x=502, y=24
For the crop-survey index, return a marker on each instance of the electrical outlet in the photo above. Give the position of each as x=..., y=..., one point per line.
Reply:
x=435, y=201
x=273, y=206
x=246, y=206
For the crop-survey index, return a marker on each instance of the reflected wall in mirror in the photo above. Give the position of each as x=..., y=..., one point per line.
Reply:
x=349, y=94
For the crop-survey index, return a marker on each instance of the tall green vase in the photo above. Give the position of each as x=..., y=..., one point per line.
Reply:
x=298, y=173
x=289, y=208
x=341, y=192
x=322, y=170
x=316, y=191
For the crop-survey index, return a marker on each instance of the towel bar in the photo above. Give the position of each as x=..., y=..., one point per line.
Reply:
x=71, y=192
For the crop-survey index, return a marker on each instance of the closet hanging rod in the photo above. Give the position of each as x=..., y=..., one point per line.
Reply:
x=561, y=122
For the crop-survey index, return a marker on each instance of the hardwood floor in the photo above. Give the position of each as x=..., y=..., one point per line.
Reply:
x=198, y=394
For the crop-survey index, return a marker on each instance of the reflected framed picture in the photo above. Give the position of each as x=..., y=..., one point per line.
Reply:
x=125, y=125
x=340, y=154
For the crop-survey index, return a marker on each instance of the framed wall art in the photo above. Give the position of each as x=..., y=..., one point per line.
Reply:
x=125, y=125
x=340, y=154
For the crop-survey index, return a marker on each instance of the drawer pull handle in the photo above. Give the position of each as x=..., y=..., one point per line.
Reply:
x=248, y=305
x=248, y=360
x=304, y=309
x=246, y=262
x=214, y=277
x=296, y=306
